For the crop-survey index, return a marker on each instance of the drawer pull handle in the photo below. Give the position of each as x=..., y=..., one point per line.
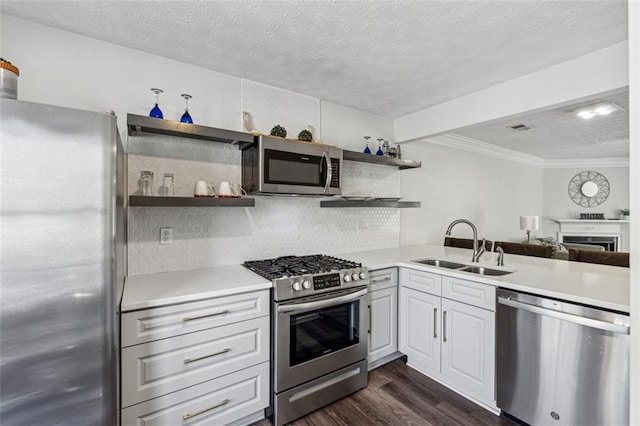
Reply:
x=186, y=319
x=381, y=279
x=189, y=361
x=188, y=416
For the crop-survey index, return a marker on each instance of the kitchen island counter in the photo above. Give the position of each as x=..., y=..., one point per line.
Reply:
x=168, y=288
x=601, y=286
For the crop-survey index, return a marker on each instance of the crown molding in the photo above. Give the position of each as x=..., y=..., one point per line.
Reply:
x=474, y=145
x=586, y=163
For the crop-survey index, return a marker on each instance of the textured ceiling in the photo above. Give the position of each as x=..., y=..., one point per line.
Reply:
x=558, y=134
x=386, y=57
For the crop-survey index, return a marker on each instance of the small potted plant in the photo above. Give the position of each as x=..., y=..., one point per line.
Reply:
x=624, y=214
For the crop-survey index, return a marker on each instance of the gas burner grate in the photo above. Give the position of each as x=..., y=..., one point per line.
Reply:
x=291, y=266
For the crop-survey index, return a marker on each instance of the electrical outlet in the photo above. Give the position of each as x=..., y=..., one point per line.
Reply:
x=360, y=225
x=166, y=235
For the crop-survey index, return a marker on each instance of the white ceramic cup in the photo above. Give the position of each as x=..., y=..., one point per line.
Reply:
x=204, y=189
x=225, y=190
x=238, y=190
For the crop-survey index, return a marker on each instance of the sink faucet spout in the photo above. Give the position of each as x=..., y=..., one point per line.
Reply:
x=476, y=252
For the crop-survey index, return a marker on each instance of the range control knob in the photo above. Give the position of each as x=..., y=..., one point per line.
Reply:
x=297, y=286
x=363, y=276
x=306, y=284
x=346, y=278
x=355, y=277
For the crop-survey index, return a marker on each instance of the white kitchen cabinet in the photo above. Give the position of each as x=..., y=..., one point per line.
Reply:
x=419, y=331
x=450, y=337
x=206, y=360
x=468, y=350
x=383, y=316
x=383, y=323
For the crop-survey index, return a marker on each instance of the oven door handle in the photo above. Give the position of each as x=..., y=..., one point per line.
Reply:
x=305, y=306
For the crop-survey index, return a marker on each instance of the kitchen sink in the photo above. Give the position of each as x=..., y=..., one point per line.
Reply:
x=440, y=263
x=480, y=270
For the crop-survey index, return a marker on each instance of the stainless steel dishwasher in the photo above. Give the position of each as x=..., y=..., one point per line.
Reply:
x=559, y=363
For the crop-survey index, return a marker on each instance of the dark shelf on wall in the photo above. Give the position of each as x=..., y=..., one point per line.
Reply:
x=370, y=203
x=138, y=125
x=379, y=159
x=142, y=201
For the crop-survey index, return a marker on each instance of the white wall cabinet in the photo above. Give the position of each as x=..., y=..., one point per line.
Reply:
x=451, y=341
x=207, y=360
x=383, y=316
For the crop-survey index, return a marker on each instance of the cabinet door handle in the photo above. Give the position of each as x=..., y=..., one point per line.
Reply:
x=188, y=416
x=435, y=323
x=186, y=319
x=444, y=326
x=189, y=361
x=369, y=328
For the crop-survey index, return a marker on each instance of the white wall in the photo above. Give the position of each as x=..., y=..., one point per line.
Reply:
x=347, y=127
x=597, y=72
x=558, y=205
x=491, y=192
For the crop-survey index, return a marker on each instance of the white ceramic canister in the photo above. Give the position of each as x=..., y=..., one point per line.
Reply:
x=8, y=80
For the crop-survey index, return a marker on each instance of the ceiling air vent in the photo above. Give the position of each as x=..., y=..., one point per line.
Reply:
x=519, y=127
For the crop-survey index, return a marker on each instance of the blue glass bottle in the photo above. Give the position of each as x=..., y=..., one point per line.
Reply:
x=379, y=151
x=186, y=117
x=155, y=111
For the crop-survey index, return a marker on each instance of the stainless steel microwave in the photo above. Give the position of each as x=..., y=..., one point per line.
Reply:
x=279, y=166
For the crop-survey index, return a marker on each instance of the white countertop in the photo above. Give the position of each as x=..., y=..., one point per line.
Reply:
x=596, y=285
x=168, y=288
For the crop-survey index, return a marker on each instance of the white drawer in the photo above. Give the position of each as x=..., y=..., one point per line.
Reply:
x=157, y=368
x=215, y=402
x=425, y=282
x=469, y=292
x=160, y=323
x=599, y=228
x=383, y=278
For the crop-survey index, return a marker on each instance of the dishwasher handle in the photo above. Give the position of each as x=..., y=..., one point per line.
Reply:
x=593, y=323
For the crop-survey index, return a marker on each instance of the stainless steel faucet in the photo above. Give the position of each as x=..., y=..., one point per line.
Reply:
x=477, y=252
x=500, y=256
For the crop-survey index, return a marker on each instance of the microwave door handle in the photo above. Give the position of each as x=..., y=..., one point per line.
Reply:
x=329, y=174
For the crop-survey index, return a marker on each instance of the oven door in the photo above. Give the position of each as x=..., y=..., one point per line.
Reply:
x=299, y=168
x=317, y=335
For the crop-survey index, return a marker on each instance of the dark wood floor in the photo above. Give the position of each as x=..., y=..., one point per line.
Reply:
x=399, y=395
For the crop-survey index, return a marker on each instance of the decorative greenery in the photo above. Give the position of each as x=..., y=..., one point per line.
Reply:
x=279, y=131
x=305, y=135
x=624, y=212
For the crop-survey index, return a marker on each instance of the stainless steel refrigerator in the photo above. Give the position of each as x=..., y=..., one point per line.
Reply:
x=62, y=264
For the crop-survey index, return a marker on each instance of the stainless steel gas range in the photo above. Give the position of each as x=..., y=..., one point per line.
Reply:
x=319, y=331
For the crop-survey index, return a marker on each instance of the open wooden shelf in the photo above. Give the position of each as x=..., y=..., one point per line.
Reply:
x=144, y=201
x=370, y=203
x=138, y=125
x=379, y=159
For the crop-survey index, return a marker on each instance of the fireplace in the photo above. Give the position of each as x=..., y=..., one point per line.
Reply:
x=610, y=243
x=604, y=233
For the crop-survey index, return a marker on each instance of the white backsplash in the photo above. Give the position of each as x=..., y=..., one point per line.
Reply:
x=276, y=226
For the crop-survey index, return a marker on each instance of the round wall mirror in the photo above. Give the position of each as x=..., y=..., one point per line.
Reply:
x=588, y=189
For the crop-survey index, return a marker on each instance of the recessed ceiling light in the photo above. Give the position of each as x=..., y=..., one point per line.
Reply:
x=591, y=111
